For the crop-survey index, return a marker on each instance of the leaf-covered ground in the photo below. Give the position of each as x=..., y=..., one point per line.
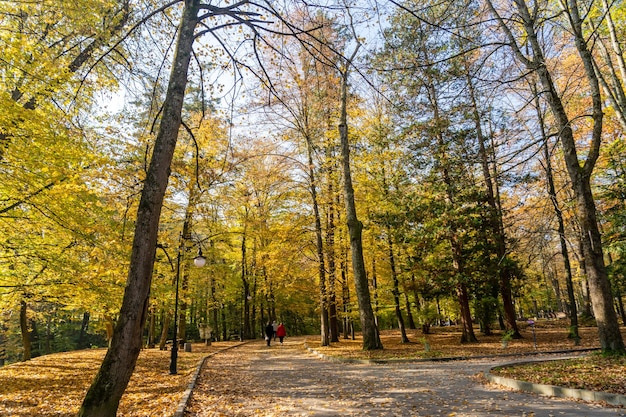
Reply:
x=592, y=372
x=445, y=342
x=54, y=385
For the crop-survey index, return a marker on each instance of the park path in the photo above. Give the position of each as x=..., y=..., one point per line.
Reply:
x=256, y=380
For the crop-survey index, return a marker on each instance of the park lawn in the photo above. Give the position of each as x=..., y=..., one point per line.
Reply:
x=54, y=385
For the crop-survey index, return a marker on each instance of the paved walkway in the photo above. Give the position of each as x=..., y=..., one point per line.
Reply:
x=254, y=380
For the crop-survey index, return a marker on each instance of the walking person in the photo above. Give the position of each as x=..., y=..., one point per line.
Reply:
x=281, y=332
x=275, y=327
x=269, y=333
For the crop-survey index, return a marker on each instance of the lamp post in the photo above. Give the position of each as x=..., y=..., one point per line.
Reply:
x=199, y=262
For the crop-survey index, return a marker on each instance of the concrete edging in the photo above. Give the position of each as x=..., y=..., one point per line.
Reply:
x=180, y=410
x=553, y=390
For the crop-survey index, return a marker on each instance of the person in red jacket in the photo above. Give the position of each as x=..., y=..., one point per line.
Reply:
x=281, y=332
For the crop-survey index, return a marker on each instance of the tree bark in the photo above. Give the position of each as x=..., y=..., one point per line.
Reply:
x=345, y=298
x=371, y=338
x=27, y=353
x=573, y=311
x=244, y=280
x=321, y=267
x=164, y=331
x=102, y=398
x=186, y=236
x=396, y=288
x=495, y=219
x=468, y=335
x=333, y=323
x=409, y=313
x=84, y=325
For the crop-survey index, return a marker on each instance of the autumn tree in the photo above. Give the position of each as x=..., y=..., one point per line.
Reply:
x=103, y=397
x=440, y=138
x=49, y=49
x=387, y=185
x=528, y=50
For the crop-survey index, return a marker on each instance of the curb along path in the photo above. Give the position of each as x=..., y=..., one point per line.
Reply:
x=256, y=380
x=180, y=409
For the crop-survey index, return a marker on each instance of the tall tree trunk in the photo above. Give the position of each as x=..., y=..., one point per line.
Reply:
x=186, y=241
x=620, y=304
x=573, y=312
x=84, y=325
x=375, y=289
x=224, y=326
x=468, y=335
x=3, y=345
x=580, y=175
x=321, y=266
x=253, y=319
x=409, y=313
x=244, y=279
x=151, y=328
x=371, y=338
x=586, y=310
x=214, y=311
x=164, y=332
x=396, y=288
x=332, y=270
x=103, y=397
x=416, y=296
x=26, y=355
x=345, y=300
x=495, y=218
x=556, y=286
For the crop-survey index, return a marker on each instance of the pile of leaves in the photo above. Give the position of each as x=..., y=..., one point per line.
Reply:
x=55, y=385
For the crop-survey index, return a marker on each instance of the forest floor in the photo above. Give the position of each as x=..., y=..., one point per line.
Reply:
x=593, y=372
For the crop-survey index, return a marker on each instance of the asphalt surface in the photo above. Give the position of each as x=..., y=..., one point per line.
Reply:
x=256, y=380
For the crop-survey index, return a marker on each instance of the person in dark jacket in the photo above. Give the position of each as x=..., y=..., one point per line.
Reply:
x=269, y=333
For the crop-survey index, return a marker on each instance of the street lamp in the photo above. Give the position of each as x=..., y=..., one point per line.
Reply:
x=199, y=261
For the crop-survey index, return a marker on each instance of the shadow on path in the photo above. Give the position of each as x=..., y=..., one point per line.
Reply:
x=256, y=380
